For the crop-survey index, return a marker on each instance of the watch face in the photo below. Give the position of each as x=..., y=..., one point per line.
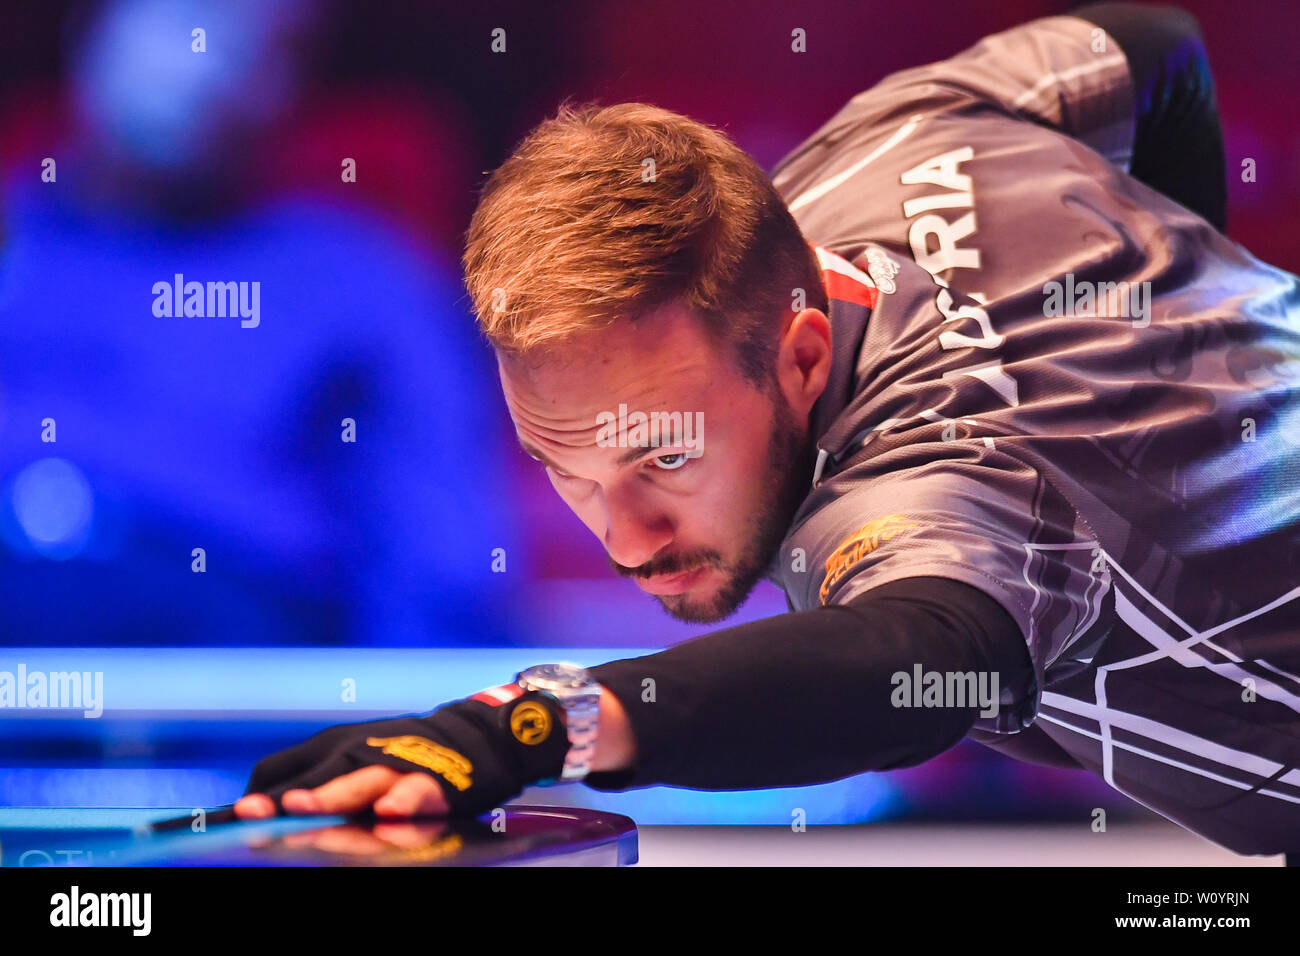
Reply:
x=558, y=675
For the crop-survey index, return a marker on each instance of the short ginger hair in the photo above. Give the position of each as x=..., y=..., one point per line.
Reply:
x=605, y=214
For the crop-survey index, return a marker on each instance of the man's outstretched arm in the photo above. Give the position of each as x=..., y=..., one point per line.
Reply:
x=794, y=699
x=805, y=697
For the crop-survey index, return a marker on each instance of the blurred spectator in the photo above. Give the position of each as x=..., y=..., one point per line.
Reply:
x=184, y=432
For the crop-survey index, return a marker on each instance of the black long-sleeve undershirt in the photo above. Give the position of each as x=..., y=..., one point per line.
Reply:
x=805, y=697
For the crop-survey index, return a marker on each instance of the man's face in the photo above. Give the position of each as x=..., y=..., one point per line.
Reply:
x=696, y=519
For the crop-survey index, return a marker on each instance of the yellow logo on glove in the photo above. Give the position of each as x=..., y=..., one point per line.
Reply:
x=422, y=752
x=530, y=722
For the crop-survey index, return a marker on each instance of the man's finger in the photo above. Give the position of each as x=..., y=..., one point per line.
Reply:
x=255, y=806
x=415, y=794
x=349, y=793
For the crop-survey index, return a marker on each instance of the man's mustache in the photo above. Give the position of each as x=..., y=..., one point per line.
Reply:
x=670, y=564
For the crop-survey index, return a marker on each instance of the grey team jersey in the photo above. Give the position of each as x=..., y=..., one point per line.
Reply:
x=1120, y=472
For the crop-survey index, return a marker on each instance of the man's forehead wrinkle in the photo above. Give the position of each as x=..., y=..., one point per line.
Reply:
x=556, y=411
x=562, y=430
x=578, y=438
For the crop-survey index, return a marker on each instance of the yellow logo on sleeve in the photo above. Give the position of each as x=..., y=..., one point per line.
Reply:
x=858, y=545
x=445, y=762
x=530, y=722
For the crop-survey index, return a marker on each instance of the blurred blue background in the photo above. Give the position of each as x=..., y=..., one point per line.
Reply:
x=130, y=439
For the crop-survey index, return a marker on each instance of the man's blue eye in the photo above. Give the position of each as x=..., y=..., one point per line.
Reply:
x=672, y=462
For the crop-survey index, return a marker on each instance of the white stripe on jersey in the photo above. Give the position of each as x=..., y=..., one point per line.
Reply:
x=1166, y=646
x=1082, y=69
x=1161, y=758
x=1165, y=734
x=830, y=262
x=822, y=189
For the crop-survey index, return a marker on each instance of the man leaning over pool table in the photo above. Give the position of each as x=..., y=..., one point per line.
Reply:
x=979, y=433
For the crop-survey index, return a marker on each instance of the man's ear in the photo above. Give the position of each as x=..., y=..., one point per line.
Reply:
x=803, y=360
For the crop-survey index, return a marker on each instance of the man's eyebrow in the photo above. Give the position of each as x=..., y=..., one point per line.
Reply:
x=635, y=454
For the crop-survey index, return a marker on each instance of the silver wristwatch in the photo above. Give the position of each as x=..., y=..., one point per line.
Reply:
x=575, y=690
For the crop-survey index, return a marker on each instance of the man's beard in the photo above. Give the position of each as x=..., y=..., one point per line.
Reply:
x=786, y=482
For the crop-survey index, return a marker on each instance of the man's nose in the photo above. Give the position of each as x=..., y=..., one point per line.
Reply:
x=634, y=532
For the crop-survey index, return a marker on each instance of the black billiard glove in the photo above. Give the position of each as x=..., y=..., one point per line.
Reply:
x=482, y=750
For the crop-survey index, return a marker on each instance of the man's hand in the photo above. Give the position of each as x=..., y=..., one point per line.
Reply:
x=388, y=792
x=465, y=758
